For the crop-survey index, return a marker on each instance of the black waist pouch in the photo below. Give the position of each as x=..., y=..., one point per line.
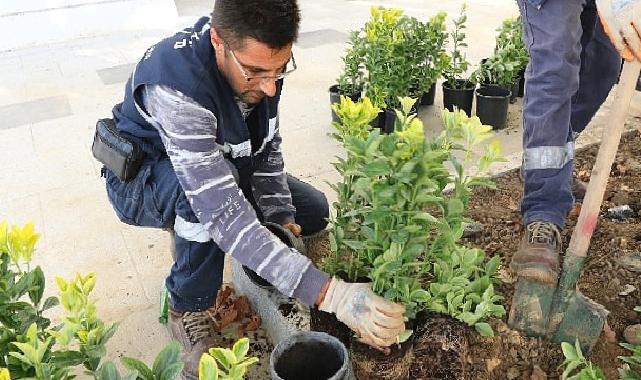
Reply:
x=118, y=154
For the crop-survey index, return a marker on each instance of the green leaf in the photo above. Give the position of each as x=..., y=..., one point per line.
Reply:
x=107, y=371
x=207, y=368
x=405, y=335
x=484, y=329
x=50, y=302
x=224, y=356
x=37, y=286
x=66, y=358
x=172, y=371
x=167, y=357
x=377, y=168
x=492, y=265
x=455, y=207
x=425, y=216
x=23, y=285
x=144, y=372
x=240, y=348
x=569, y=367
x=568, y=351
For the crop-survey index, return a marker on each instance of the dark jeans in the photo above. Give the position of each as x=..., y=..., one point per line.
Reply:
x=572, y=68
x=154, y=198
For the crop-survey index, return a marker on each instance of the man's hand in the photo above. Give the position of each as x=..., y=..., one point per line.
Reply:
x=621, y=20
x=377, y=321
x=294, y=228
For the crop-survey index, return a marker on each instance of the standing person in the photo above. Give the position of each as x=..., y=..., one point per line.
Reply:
x=203, y=106
x=573, y=65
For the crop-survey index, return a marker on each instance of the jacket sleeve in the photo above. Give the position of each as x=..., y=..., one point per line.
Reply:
x=269, y=184
x=188, y=132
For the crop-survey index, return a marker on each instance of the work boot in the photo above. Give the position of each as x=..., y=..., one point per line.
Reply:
x=538, y=255
x=194, y=330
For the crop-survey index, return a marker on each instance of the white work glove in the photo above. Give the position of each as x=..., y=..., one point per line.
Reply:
x=377, y=321
x=621, y=20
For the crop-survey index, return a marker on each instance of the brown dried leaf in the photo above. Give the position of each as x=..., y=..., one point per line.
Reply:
x=225, y=317
x=242, y=307
x=253, y=323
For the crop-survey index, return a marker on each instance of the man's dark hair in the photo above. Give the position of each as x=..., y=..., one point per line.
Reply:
x=272, y=22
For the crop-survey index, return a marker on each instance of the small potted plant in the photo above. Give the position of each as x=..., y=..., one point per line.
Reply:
x=458, y=92
x=350, y=82
x=511, y=36
x=428, y=54
x=498, y=74
x=388, y=62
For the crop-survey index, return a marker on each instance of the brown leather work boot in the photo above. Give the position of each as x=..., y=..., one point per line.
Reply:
x=538, y=255
x=194, y=330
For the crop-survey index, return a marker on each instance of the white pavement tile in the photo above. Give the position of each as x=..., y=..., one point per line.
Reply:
x=139, y=335
x=150, y=254
x=20, y=210
x=308, y=152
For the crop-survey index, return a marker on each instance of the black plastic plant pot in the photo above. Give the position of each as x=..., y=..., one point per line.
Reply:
x=310, y=355
x=427, y=99
x=491, y=105
x=335, y=97
x=460, y=97
x=287, y=237
x=385, y=121
x=513, y=88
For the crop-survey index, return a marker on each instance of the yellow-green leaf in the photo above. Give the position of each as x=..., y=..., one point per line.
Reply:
x=207, y=368
x=241, y=347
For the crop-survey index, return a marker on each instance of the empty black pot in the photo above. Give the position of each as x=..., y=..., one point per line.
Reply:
x=335, y=97
x=310, y=355
x=491, y=105
x=460, y=97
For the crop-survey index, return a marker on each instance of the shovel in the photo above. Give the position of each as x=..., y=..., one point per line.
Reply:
x=561, y=313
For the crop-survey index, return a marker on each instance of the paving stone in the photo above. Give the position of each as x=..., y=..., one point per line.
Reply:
x=34, y=111
x=315, y=38
x=116, y=74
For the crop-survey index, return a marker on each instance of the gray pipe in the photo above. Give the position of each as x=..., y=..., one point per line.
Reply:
x=310, y=355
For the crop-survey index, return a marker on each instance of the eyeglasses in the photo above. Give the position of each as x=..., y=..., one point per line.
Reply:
x=286, y=69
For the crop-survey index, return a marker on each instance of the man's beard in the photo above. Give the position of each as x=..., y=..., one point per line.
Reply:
x=252, y=97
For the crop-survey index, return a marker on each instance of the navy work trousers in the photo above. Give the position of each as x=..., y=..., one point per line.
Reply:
x=155, y=199
x=572, y=68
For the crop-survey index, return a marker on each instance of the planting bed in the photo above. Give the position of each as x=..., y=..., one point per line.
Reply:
x=447, y=349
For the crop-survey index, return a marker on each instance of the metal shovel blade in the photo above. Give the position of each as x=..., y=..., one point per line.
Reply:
x=583, y=319
x=531, y=313
x=531, y=306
